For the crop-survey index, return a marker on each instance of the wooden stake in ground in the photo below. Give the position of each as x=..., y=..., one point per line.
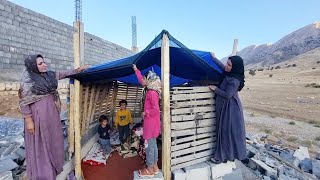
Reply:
x=166, y=134
x=235, y=46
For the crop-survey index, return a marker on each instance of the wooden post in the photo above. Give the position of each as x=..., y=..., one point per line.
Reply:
x=166, y=121
x=71, y=119
x=235, y=46
x=78, y=49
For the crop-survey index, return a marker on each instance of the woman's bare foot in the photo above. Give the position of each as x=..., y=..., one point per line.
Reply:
x=155, y=168
x=146, y=172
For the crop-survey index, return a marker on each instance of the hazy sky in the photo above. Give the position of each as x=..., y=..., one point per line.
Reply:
x=208, y=25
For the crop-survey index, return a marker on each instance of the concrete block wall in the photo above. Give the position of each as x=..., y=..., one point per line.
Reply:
x=24, y=32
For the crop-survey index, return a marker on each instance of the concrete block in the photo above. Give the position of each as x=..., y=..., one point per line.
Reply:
x=262, y=167
x=2, y=86
x=8, y=86
x=13, y=92
x=306, y=165
x=316, y=168
x=301, y=153
x=179, y=175
x=199, y=171
x=219, y=170
x=222, y=169
x=235, y=175
x=159, y=176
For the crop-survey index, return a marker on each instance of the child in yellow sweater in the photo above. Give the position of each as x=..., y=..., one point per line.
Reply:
x=123, y=120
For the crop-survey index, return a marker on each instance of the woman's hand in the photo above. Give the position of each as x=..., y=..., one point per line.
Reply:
x=213, y=55
x=30, y=125
x=212, y=87
x=83, y=68
x=134, y=67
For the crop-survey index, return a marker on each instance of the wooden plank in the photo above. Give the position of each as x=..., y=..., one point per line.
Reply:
x=176, y=133
x=193, y=149
x=192, y=110
x=193, y=116
x=190, y=88
x=97, y=95
x=114, y=100
x=199, y=91
x=193, y=124
x=103, y=97
x=85, y=110
x=191, y=96
x=177, y=105
x=193, y=144
x=193, y=137
x=191, y=157
x=135, y=103
x=189, y=163
x=165, y=77
x=108, y=103
x=92, y=95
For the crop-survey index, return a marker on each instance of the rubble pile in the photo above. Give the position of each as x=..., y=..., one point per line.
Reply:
x=12, y=147
x=273, y=162
x=12, y=150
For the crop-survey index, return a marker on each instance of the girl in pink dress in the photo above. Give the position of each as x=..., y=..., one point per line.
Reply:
x=151, y=119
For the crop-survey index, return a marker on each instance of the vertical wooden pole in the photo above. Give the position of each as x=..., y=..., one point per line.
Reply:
x=235, y=46
x=71, y=119
x=166, y=135
x=78, y=49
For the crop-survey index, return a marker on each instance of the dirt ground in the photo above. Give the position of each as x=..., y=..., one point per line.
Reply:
x=9, y=106
x=284, y=94
x=282, y=104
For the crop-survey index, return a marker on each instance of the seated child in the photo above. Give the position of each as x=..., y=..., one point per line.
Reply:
x=123, y=120
x=103, y=131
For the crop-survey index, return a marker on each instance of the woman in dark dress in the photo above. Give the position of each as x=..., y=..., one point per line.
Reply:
x=231, y=141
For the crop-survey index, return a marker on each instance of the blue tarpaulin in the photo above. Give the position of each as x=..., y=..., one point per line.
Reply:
x=185, y=65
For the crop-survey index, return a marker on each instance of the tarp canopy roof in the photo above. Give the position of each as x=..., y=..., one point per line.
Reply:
x=185, y=65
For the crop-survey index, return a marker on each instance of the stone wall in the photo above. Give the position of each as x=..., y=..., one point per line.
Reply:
x=11, y=88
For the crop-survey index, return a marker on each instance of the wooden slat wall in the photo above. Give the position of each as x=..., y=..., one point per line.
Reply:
x=133, y=95
x=104, y=98
x=192, y=126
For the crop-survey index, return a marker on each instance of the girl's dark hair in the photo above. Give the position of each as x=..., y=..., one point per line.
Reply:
x=102, y=118
x=123, y=101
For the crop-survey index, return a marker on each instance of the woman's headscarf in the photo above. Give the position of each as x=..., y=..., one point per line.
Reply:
x=237, y=70
x=35, y=85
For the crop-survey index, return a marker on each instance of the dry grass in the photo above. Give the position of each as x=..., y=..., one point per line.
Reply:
x=292, y=139
x=292, y=123
x=267, y=131
x=307, y=143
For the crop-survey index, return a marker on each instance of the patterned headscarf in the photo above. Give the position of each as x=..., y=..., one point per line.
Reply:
x=35, y=85
x=154, y=83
